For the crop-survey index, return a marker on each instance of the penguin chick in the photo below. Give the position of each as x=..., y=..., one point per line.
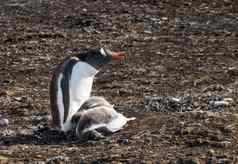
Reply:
x=102, y=119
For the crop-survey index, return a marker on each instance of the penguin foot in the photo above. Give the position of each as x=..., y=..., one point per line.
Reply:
x=96, y=135
x=90, y=135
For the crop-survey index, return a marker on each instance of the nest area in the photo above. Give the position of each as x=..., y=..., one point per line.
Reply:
x=179, y=79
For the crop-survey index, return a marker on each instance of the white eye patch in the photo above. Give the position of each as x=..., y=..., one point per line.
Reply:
x=102, y=51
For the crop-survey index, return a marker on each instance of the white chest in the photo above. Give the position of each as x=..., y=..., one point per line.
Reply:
x=80, y=85
x=81, y=80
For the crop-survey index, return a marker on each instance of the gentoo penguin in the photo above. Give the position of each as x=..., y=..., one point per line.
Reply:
x=97, y=117
x=72, y=81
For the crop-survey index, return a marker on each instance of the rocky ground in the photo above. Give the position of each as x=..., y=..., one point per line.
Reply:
x=180, y=79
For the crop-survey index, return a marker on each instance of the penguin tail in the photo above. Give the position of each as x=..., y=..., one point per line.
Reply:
x=131, y=118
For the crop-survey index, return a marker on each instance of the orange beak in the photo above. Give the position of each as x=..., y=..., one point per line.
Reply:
x=118, y=56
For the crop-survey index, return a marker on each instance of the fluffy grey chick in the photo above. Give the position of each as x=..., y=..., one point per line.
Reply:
x=97, y=117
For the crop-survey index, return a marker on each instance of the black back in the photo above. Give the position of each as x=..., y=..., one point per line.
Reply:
x=65, y=68
x=65, y=84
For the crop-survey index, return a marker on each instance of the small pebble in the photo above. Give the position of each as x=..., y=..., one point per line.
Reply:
x=175, y=99
x=4, y=122
x=57, y=159
x=224, y=161
x=221, y=103
x=228, y=100
x=211, y=152
x=123, y=141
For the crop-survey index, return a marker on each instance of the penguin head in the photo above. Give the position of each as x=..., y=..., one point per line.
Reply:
x=75, y=118
x=100, y=57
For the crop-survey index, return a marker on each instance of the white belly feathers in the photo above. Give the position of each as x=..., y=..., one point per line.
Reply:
x=80, y=86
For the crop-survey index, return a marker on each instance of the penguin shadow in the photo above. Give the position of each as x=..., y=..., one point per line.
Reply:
x=47, y=136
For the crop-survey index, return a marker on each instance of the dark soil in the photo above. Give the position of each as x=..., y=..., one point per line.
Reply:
x=180, y=79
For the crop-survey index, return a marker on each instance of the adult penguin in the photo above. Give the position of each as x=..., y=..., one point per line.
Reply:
x=72, y=81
